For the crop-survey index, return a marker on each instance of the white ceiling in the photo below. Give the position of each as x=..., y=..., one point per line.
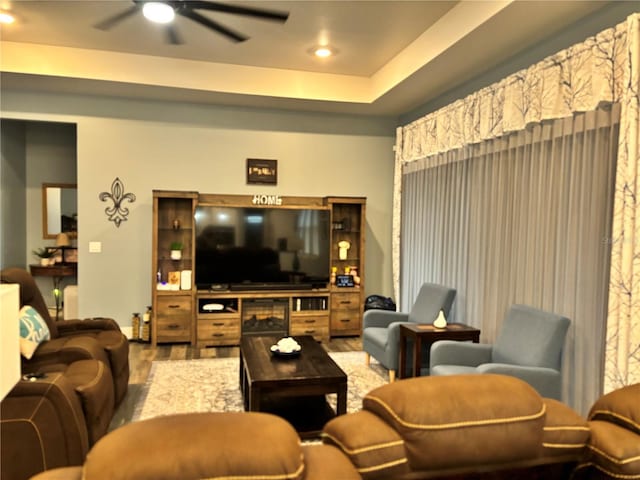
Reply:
x=393, y=55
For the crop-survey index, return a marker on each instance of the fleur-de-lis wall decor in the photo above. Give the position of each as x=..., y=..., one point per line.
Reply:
x=117, y=213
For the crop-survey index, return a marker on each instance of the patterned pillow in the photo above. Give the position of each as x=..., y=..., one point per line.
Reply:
x=33, y=331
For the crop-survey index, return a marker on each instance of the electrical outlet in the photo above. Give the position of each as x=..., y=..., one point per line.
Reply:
x=95, y=247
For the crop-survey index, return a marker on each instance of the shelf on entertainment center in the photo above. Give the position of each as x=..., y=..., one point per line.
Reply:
x=266, y=293
x=348, y=224
x=216, y=328
x=173, y=217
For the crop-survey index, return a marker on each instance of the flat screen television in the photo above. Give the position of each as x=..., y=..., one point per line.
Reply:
x=247, y=248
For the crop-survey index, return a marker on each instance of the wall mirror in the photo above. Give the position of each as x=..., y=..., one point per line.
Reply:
x=59, y=209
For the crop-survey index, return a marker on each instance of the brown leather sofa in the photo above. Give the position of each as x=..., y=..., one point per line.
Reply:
x=614, y=444
x=453, y=427
x=72, y=340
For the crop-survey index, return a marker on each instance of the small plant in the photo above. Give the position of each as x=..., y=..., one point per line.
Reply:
x=44, y=252
x=176, y=250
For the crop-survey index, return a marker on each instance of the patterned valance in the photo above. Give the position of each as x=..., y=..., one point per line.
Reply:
x=577, y=79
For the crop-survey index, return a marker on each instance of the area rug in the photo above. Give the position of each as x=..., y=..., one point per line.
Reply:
x=211, y=385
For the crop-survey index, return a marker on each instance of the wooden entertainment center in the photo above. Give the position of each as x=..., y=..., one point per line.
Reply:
x=220, y=315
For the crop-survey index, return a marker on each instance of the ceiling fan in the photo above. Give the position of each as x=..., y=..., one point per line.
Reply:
x=187, y=9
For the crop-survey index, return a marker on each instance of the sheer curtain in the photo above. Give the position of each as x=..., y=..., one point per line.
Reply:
x=522, y=218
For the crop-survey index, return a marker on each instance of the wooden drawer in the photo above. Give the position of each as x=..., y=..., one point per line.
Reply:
x=173, y=319
x=170, y=306
x=174, y=329
x=219, y=331
x=310, y=324
x=347, y=300
x=320, y=333
x=346, y=322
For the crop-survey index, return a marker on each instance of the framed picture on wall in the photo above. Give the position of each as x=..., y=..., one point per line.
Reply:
x=262, y=171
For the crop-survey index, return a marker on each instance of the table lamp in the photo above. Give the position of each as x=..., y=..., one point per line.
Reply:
x=62, y=240
x=10, y=335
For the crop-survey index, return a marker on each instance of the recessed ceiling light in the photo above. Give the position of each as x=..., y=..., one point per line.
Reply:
x=323, y=51
x=158, y=12
x=6, y=17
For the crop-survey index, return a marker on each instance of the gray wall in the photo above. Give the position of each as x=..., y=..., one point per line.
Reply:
x=13, y=199
x=157, y=145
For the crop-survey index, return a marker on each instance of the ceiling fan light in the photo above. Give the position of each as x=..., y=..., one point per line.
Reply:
x=158, y=12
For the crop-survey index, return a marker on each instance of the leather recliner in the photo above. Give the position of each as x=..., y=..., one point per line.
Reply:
x=72, y=340
x=381, y=328
x=42, y=426
x=529, y=346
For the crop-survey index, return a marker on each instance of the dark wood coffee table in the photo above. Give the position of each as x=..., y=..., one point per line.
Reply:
x=292, y=387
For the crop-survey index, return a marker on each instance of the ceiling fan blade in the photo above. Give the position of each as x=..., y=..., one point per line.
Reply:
x=274, y=15
x=172, y=35
x=196, y=17
x=110, y=22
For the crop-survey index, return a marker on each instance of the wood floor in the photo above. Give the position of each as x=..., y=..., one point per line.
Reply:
x=141, y=356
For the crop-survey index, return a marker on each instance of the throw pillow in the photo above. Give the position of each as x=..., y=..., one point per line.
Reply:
x=33, y=331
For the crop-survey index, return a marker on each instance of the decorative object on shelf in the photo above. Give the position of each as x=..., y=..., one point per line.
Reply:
x=135, y=327
x=46, y=256
x=262, y=171
x=145, y=330
x=176, y=250
x=176, y=224
x=174, y=280
x=344, y=281
x=440, y=321
x=145, y=326
x=334, y=272
x=185, y=280
x=267, y=200
x=117, y=213
x=343, y=249
x=354, y=273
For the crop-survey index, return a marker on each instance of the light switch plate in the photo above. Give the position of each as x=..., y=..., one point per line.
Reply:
x=95, y=247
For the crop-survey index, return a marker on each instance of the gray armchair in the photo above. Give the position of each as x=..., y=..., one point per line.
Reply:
x=529, y=346
x=381, y=328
